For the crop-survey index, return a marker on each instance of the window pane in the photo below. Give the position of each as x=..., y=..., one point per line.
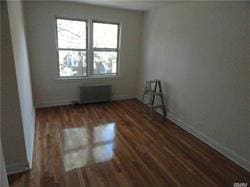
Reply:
x=105, y=35
x=71, y=34
x=72, y=63
x=105, y=62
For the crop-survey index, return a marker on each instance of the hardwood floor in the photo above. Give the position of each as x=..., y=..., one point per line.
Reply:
x=117, y=144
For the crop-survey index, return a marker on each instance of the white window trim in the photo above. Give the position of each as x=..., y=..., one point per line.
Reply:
x=90, y=51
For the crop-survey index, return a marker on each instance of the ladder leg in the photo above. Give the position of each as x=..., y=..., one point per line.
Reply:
x=162, y=100
x=145, y=91
x=151, y=101
x=155, y=88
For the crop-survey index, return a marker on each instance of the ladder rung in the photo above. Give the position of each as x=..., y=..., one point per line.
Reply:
x=157, y=93
x=155, y=106
x=152, y=91
x=154, y=81
x=158, y=106
x=148, y=89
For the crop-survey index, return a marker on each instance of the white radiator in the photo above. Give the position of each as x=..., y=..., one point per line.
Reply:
x=95, y=93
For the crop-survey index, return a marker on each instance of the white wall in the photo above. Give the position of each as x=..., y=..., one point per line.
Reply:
x=11, y=120
x=17, y=28
x=43, y=55
x=201, y=53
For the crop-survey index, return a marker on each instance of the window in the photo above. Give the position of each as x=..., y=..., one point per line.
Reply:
x=80, y=56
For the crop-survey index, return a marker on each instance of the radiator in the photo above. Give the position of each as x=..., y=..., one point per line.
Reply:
x=95, y=93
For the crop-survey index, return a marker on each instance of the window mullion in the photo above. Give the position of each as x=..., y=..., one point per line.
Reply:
x=90, y=50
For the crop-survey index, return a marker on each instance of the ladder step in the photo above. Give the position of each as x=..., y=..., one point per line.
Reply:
x=153, y=81
x=157, y=93
x=155, y=106
x=158, y=106
x=152, y=91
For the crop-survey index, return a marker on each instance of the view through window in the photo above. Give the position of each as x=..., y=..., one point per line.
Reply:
x=80, y=56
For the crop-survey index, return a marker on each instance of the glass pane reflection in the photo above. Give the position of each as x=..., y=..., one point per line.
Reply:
x=104, y=133
x=74, y=138
x=75, y=159
x=83, y=146
x=75, y=148
x=103, y=153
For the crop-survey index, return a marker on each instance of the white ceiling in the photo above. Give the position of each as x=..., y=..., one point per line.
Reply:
x=141, y=5
x=125, y=4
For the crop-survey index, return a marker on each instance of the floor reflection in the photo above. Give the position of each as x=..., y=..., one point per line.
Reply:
x=103, y=153
x=104, y=133
x=75, y=148
x=83, y=146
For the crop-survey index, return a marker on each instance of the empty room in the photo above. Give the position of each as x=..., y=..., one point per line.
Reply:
x=125, y=93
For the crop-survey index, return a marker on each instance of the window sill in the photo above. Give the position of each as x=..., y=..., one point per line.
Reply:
x=88, y=78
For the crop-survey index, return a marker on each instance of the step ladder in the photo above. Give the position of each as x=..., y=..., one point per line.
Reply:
x=153, y=88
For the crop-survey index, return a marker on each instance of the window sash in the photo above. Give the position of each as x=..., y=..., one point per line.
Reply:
x=99, y=49
x=69, y=19
x=105, y=22
x=106, y=49
x=70, y=49
x=117, y=64
x=72, y=76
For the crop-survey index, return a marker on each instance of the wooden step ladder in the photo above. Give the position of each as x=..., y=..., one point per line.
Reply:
x=152, y=93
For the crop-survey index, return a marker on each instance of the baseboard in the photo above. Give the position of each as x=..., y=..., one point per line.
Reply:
x=17, y=168
x=44, y=104
x=212, y=143
x=209, y=141
x=122, y=97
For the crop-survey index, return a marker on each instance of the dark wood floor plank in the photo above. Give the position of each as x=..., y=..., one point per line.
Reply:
x=118, y=144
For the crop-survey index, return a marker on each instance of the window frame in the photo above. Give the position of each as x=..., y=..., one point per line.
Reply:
x=90, y=49
x=98, y=49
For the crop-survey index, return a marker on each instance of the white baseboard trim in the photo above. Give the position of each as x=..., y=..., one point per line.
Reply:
x=61, y=102
x=44, y=104
x=123, y=97
x=212, y=143
x=17, y=168
x=230, y=154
